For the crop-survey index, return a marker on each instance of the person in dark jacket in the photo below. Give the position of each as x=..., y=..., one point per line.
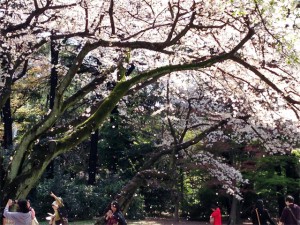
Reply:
x=291, y=213
x=117, y=214
x=260, y=215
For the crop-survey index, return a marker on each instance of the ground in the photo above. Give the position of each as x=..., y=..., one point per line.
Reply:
x=158, y=221
x=148, y=221
x=165, y=222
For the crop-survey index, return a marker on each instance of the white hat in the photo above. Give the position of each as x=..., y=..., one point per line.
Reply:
x=55, y=203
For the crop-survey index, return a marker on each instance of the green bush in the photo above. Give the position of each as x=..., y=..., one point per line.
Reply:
x=136, y=209
x=82, y=201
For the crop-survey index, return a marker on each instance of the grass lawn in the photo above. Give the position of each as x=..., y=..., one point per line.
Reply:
x=156, y=221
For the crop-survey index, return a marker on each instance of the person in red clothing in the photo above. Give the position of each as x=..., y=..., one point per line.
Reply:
x=110, y=219
x=216, y=215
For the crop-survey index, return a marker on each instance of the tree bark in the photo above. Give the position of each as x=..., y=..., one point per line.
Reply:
x=292, y=171
x=280, y=192
x=53, y=84
x=54, y=73
x=7, y=120
x=233, y=212
x=93, y=159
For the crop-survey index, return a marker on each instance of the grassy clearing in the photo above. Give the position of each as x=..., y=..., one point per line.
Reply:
x=156, y=221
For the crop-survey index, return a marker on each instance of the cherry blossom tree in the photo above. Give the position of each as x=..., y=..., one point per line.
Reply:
x=225, y=63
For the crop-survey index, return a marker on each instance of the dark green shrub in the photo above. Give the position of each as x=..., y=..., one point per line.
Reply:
x=82, y=201
x=136, y=209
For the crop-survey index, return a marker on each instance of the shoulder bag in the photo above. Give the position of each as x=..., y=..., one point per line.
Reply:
x=34, y=221
x=297, y=220
x=258, y=220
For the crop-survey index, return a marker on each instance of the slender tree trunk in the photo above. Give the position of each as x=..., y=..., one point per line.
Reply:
x=175, y=186
x=2, y=176
x=181, y=193
x=92, y=170
x=176, y=208
x=7, y=120
x=291, y=171
x=7, y=137
x=233, y=212
x=53, y=85
x=54, y=73
x=280, y=192
x=280, y=200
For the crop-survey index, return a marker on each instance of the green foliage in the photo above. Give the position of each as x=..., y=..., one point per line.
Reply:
x=82, y=201
x=273, y=170
x=201, y=209
x=274, y=176
x=157, y=201
x=296, y=152
x=136, y=209
x=116, y=143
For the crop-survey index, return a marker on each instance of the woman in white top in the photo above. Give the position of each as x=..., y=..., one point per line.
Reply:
x=22, y=216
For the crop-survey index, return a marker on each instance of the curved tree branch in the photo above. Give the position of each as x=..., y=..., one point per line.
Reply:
x=264, y=79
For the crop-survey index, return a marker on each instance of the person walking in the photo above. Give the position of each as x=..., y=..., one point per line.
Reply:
x=216, y=216
x=291, y=213
x=260, y=215
x=22, y=216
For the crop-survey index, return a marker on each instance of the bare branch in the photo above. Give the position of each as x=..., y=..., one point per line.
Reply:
x=111, y=17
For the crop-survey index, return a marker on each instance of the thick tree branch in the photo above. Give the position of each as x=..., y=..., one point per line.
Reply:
x=265, y=79
x=81, y=132
x=45, y=124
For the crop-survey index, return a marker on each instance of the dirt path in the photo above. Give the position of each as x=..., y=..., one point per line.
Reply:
x=159, y=221
x=165, y=222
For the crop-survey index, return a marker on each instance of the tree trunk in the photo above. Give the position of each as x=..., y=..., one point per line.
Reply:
x=7, y=120
x=93, y=159
x=53, y=85
x=280, y=192
x=54, y=74
x=291, y=171
x=233, y=212
x=176, y=207
x=7, y=137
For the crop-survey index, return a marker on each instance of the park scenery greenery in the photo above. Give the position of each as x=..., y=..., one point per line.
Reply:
x=167, y=106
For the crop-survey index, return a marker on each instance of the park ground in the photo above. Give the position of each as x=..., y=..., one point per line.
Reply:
x=155, y=221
